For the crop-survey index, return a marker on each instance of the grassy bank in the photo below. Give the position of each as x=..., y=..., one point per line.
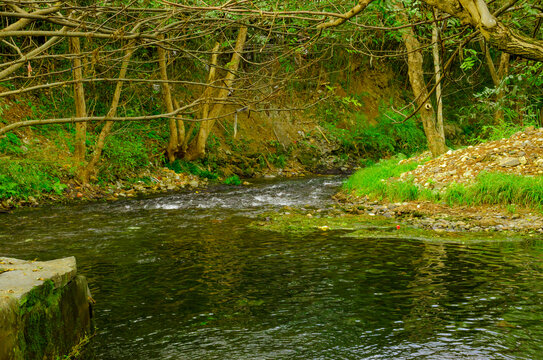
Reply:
x=380, y=182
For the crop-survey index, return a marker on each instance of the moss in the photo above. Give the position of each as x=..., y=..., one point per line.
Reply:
x=365, y=226
x=306, y=223
x=53, y=320
x=41, y=310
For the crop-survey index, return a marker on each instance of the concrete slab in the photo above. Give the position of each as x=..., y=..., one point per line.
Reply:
x=18, y=277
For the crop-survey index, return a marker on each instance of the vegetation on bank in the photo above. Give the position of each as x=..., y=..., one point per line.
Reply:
x=349, y=98
x=380, y=182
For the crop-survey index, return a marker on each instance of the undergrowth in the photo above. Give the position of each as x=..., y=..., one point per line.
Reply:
x=389, y=135
x=123, y=156
x=20, y=179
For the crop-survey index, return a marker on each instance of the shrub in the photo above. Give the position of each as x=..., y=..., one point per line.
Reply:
x=10, y=144
x=232, y=180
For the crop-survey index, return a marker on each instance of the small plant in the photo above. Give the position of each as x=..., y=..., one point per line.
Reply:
x=10, y=144
x=232, y=180
x=512, y=208
x=124, y=156
x=279, y=160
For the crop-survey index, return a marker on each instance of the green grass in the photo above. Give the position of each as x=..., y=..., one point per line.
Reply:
x=372, y=181
x=498, y=189
x=487, y=189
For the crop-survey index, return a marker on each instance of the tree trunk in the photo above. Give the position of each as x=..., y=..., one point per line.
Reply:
x=80, y=106
x=174, y=141
x=503, y=70
x=436, y=40
x=197, y=146
x=208, y=92
x=436, y=141
x=91, y=166
x=497, y=77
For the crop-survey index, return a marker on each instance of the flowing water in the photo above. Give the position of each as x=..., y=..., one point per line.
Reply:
x=182, y=276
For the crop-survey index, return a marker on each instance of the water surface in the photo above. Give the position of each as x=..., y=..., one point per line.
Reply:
x=181, y=276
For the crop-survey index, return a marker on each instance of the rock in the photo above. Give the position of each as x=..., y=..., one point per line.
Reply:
x=523, y=160
x=45, y=308
x=509, y=162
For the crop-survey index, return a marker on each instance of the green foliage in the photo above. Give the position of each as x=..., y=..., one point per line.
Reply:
x=390, y=135
x=519, y=98
x=232, y=180
x=501, y=130
x=470, y=59
x=19, y=180
x=280, y=154
x=188, y=167
x=278, y=160
x=124, y=156
x=10, y=144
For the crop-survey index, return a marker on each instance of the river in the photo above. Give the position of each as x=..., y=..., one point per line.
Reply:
x=182, y=276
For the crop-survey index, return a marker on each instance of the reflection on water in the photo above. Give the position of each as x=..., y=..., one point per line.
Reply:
x=182, y=277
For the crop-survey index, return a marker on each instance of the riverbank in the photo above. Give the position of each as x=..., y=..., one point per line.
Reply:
x=444, y=218
x=494, y=186
x=155, y=180
x=160, y=180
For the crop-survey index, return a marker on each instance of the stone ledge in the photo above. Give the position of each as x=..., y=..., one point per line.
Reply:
x=45, y=308
x=17, y=277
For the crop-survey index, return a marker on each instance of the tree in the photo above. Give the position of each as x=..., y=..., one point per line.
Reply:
x=434, y=132
x=115, y=31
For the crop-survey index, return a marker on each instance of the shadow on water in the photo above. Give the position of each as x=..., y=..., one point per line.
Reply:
x=182, y=277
